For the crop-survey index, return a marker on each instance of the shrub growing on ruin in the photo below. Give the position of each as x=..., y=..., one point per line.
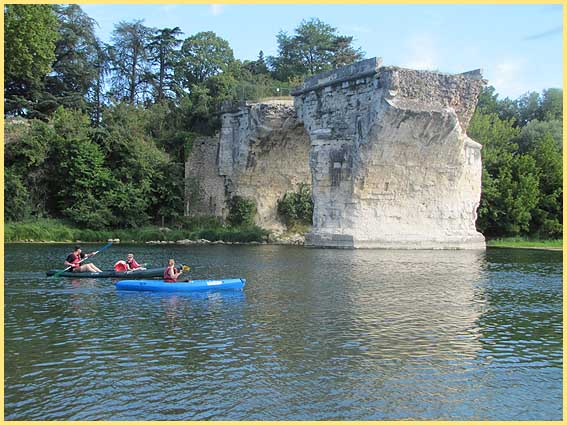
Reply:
x=241, y=211
x=296, y=207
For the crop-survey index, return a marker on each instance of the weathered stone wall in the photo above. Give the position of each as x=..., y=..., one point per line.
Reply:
x=264, y=154
x=434, y=89
x=385, y=148
x=390, y=160
x=261, y=153
x=204, y=187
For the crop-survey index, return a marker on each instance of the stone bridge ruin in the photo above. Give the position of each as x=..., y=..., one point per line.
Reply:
x=386, y=148
x=391, y=163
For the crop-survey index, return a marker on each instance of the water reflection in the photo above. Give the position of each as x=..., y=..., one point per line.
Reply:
x=400, y=307
x=317, y=334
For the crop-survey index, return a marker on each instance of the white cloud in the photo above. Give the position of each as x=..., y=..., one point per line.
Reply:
x=422, y=52
x=508, y=77
x=216, y=9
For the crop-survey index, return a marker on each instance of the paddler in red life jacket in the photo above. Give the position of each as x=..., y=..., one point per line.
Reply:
x=132, y=263
x=170, y=274
x=73, y=260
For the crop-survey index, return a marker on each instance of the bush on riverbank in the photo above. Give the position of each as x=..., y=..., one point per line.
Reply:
x=50, y=230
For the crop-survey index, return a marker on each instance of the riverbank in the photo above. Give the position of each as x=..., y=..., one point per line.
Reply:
x=198, y=231
x=524, y=243
x=49, y=230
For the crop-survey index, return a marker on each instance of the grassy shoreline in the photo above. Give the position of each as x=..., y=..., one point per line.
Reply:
x=55, y=231
x=525, y=243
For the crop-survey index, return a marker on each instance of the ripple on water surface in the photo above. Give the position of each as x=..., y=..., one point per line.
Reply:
x=317, y=334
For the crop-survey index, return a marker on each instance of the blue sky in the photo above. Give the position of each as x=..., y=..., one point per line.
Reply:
x=519, y=47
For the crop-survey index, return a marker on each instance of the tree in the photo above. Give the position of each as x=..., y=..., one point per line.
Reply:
x=497, y=137
x=74, y=69
x=163, y=52
x=198, y=106
x=81, y=181
x=96, y=95
x=551, y=105
x=528, y=108
x=548, y=215
x=343, y=52
x=518, y=184
x=30, y=32
x=84, y=197
x=509, y=199
x=535, y=131
x=203, y=55
x=135, y=161
x=509, y=181
x=257, y=67
x=261, y=66
x=16, y=196
x=129, y=55
x=488, y=103
x=28, y=148
x=315, y=47
x=168, y=191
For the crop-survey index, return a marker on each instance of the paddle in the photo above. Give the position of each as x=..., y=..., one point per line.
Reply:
x=185, y=268
x=95, y=253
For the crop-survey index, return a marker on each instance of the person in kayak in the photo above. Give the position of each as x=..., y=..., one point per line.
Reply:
x=132, y=263
x=170, y=274
x=74, y=259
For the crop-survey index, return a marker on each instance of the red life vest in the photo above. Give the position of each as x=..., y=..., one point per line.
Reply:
x=167, y=277
x=76, y=261
x=121, y=266
x=133, y=264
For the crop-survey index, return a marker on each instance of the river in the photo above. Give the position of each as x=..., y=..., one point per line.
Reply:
x=316, y=335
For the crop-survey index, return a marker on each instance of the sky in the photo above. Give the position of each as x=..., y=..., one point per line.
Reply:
x=518, y=47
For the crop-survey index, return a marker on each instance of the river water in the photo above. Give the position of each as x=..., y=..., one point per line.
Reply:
x=316, y=334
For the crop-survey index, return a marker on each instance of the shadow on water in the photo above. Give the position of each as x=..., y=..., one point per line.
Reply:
x=316, y=334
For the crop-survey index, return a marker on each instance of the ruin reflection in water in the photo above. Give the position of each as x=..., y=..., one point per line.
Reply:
x=317, y=334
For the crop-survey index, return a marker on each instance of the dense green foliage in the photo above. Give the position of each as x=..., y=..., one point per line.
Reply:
x=30, y=33
x=296, y=207
x=17, y=197
x=74, y=69
x=522, y=191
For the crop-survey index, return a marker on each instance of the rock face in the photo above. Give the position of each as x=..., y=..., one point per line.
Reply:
x=391, y=164
x=261, y=153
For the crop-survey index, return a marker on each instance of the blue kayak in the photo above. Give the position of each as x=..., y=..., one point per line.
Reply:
x=193, y=285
